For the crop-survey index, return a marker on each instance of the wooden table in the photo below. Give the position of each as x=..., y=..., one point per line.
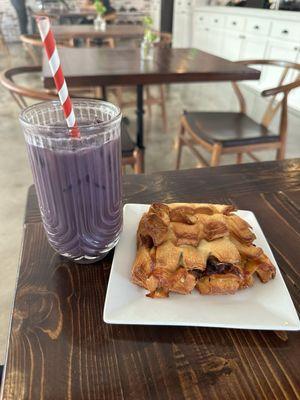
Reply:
x=68, y=32
x=72, y=15
x=61, y=13
x=104, y=67
x=60, y=348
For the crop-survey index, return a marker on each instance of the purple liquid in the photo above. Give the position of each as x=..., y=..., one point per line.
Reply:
x=79, y=193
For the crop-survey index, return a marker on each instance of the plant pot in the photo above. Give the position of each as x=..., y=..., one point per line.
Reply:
x=99, y=23
x=147, y=50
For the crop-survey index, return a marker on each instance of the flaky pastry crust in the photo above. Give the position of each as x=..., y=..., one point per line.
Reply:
x=182, y=246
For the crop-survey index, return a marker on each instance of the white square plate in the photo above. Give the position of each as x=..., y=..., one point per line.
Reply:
x=263, y=306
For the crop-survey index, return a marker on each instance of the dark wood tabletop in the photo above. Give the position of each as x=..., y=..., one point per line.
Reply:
x=124, y=67
x=65, y=32
x=60, y=348
x=64, y=13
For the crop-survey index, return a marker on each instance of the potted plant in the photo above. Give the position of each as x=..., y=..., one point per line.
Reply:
x=99, y=22
x=147, y=45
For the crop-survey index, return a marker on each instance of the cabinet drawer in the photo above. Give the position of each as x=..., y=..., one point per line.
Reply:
x=258, y=26
x=201, y=19
x=235, y=23
x=216, y=20
x=286, y=30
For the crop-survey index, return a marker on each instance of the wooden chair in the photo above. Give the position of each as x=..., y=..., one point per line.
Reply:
x=165, y=40
x=30, y=43
x=235, y=132
x=131, y=155
x=3, y=45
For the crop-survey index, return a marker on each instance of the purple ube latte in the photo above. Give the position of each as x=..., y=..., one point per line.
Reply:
x=78, y=181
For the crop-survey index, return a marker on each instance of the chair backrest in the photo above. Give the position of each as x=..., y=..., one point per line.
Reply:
x=19, y=92
x=33, y=40
x=165, y=39
x=279, y=94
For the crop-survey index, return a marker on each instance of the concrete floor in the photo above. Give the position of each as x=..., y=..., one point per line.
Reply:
x=15, y=176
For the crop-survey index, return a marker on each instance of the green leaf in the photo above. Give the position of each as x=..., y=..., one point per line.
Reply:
x=147, y=21
x=100, y=7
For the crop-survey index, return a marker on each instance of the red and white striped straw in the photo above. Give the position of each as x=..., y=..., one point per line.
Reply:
x=57, y=73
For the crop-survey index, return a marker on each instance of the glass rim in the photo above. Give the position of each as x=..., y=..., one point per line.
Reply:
x=102, y=124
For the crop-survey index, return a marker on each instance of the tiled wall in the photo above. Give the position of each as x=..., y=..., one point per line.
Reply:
x=10, y=26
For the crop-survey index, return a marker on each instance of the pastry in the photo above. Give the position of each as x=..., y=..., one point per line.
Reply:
x=182, y=246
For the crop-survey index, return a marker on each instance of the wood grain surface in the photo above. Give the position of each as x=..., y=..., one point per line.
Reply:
x=60, y=348
x=123, y=66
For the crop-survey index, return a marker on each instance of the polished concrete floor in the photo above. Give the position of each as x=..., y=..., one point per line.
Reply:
x=15, y=176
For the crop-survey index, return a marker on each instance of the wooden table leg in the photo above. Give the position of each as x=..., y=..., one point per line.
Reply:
x=104, y=93
x=140, y=122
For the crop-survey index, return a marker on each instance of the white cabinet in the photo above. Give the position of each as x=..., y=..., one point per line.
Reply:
x=253, y=47
x=286, y=30
x=258, y=26
x=232, y=43
x=214, y=41
x=282, y=50
x=182, y=24
x=206, y=33
x=241, y=34
x=278, y=50
x=294, y=97
x=182, y=33
x=235, y=23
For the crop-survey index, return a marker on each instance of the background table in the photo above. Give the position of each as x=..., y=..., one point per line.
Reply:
x=104, y=67
x=68, y=32
x=75, y=15
x=60, y=348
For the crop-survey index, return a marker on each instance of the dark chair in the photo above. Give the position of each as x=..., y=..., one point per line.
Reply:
x=234, y=132
x=131, y=155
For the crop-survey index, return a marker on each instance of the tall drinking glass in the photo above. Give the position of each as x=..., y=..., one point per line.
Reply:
x=78, y=180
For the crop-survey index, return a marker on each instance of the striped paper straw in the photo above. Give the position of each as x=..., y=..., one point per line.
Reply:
x=57, y=73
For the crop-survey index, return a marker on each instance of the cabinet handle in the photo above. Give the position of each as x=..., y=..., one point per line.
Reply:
x=256, y=27
x=206, y=29
x=233, y=22
x=201, y=19
x=242, y=37
x=284, y=31
x=296, y=48
x=216, y=20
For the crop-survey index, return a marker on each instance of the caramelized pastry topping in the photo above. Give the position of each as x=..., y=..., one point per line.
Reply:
x=181, y=246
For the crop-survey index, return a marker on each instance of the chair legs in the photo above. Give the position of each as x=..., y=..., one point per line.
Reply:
x=148, y=101
x=216, y=153
x=3, y=45
x=280, y=153
x=239, y=158
x=163, y=107
x=135, y=161
x=138, y=165
x=179, y=145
